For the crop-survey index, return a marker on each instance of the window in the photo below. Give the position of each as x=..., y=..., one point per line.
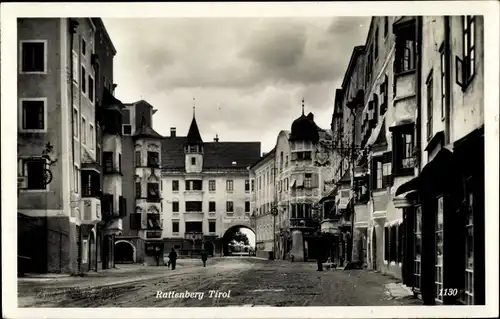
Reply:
x=247, y=207
x=127, y=129
x=194, y=227
x=175, y=186
x=405, y=50
x=91, y=136
x=375, y=45
x=75, y=65
x=417, y=269
x=468, y=67
x=119, y=162
x=229, y=185
x=307, y=180
x=175, y=224
x=33, y=57
x=91, y=89
x=468, y=294
x=194, y=206
x=84, y=47
x=153, y=159
x=194, y=185
x=138, y=190
x=175, y=207
x=386, y=26
x=212, y=226
x=229, y=207
x=444, y=81
x=403, y=151
x=211, y=185
x=154, y=190
x=211, y=206
x=381, y=171
x=75, y=123
x=107, y=158
x=76, y=177
x=84, y=80
x=438, y=280
x=33, y=114
x=90, y=183
x=430, y=105
x=34, y=170
x=84, y=131
x=138, y=161
x=247, y=185
x=253, y=185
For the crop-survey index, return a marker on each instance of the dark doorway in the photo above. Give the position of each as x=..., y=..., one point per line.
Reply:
x=374, y=249
x=209, y=248
x=124, y=253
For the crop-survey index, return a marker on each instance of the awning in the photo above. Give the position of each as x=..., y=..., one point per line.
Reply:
x=394, y=222
x=402, y=122
x=376, y=131
x=300, y=180
x=439, y=172
x=292, y=184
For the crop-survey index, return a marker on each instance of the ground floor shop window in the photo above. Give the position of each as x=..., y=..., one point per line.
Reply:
x=387, y=248
x=438, y=276
x=399, y=257
x=417, y=269
x=468, y=294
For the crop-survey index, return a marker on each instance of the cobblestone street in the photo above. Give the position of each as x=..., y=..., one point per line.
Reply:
x=247, y=281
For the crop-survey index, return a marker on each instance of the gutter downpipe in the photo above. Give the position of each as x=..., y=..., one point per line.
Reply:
x=419, y=94
x=447, y=51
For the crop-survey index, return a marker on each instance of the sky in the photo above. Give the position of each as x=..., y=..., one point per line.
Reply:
x=247, y=75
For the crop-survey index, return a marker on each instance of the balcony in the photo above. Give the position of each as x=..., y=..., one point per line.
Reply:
x=305, y=223
x=115, y=226
x=193, y=235
x=90, y=210
x=153, y=234
x=193, y=195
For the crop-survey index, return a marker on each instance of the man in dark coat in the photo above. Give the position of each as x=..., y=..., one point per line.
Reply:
x=173, y=258
x=321, y=253
x=204, y=257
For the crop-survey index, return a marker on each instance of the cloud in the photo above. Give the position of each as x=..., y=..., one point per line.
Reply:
x=248, y=75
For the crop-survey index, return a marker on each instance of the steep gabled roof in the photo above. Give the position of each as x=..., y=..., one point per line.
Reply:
x=194, y=136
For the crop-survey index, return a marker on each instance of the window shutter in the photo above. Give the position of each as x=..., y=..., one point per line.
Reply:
x=373, y=175
x=315, y=180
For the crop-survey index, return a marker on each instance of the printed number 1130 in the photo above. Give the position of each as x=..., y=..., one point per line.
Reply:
x=448, y=292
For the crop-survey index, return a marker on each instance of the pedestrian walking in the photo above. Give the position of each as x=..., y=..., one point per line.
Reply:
x=172, y=258
x=204, y=257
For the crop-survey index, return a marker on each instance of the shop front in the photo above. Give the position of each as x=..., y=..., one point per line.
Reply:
x=444, y=227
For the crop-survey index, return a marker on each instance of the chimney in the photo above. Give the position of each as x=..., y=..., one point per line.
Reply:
x=172, y=132
x=216, y=139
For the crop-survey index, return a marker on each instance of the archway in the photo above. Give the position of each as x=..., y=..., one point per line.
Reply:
x=374, y=249
x=124, y=252
x=230, y=234
x=209, y=248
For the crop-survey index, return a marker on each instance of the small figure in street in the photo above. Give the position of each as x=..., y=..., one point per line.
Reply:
x=172, y=258
x=204, y=257
x=157, y=256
